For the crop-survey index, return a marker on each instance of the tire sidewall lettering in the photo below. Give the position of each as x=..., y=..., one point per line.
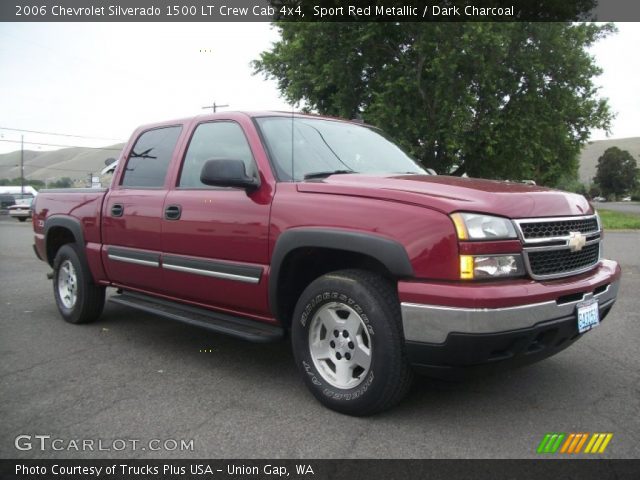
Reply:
x=348, y=395
x=327, y=297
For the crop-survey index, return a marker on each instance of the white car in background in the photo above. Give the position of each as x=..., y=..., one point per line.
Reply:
x=22, y=209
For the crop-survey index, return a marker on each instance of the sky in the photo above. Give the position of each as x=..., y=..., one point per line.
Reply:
x=105, y=79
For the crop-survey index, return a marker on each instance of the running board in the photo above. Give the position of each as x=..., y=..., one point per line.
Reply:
x=251, y=330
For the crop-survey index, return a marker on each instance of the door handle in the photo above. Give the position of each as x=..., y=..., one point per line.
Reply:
x=173, y=212
x=117, y=210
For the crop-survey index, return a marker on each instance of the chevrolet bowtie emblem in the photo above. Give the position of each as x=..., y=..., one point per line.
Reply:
x=576, y=241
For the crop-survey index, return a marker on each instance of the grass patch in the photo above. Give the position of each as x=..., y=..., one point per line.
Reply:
x=618, y=220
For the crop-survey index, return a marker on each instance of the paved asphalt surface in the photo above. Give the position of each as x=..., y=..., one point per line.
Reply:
x=133, y=376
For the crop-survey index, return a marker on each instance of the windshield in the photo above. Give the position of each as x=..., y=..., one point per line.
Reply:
x=324, y=146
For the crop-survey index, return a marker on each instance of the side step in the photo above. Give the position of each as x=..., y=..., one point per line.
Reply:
x=245, y=329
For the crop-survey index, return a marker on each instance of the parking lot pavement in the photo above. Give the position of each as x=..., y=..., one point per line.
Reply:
x=132, y=376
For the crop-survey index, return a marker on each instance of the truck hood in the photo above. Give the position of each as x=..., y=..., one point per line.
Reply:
x=450, y=194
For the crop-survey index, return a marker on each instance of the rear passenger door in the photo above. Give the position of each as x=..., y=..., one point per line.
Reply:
x=132, y=212
x=214, y=239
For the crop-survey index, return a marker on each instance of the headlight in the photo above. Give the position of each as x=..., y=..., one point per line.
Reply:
x=474, y=226
x=480, y=267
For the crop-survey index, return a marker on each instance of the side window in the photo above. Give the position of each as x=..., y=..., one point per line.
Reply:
x=150, y=157
x=215, y=140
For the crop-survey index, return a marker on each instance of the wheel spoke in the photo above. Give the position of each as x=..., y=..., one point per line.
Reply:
x=321, y=350
x=344, y=372
x=362, y=355
x=329, y=320
x=335, y=318
x=353, y=324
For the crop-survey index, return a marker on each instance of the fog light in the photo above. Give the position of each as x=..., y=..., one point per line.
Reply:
x=490, y=266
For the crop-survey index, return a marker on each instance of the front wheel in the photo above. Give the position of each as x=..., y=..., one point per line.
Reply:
x=79, y=300
x=348, y=342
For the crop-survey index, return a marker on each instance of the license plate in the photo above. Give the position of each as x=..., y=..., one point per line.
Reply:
x=588, y=316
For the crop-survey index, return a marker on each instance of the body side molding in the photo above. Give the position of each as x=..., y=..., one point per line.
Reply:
x=149, y=259
x=212, y=268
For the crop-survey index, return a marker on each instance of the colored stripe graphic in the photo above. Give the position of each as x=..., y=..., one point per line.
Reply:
x=581, y=442
x=550, y=443
x=566, y=445
x=598, y=443
x=573, y=443
x=543, y=443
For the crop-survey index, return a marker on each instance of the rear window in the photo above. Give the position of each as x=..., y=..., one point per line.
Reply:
x=150, y=157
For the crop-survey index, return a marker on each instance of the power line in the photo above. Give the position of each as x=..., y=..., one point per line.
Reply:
x=44, y=167
x=58, y=145
x=61, y=134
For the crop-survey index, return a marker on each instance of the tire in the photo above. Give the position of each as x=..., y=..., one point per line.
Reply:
x=363, y=309
x=21, y=219
x=79, y=300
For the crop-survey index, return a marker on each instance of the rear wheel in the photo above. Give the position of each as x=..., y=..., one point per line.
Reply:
x=348, y=342
x=79, y=300
x=22, y=219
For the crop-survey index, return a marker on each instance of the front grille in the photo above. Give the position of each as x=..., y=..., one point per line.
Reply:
x=563, y=261
x=558, y=228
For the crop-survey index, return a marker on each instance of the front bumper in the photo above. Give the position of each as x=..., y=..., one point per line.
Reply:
x=447, y=336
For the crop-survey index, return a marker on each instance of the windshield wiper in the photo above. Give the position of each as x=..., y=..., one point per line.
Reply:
x=326, y=174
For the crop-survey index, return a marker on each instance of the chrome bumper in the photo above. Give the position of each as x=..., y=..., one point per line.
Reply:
x=433, y=323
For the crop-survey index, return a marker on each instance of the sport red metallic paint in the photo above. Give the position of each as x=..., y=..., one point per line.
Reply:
x=258, y=247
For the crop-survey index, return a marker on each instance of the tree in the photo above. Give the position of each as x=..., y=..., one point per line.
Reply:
x=497, y=100
x=64, y=182
x=617, y=172
x=18, y=181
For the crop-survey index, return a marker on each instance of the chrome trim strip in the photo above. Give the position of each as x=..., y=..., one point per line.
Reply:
x=211, y=273
x=433, y=323
x=118, y=258
x=558, y=247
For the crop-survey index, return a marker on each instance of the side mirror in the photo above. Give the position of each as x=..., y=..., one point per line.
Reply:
x=227, y=173
x=109, y=161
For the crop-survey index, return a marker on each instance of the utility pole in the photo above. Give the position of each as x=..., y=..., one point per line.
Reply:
x=214, y=107
x=21, y=166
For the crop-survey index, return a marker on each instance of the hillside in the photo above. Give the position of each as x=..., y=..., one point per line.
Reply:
x=75, y=162
x=594, y=150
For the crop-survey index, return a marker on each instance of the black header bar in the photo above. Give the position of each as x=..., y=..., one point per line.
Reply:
x=318, y=10
x=318, y=469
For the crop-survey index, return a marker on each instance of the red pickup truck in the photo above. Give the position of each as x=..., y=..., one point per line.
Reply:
x=262, y=225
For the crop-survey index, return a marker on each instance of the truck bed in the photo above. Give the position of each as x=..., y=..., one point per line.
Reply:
x=81, y=204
